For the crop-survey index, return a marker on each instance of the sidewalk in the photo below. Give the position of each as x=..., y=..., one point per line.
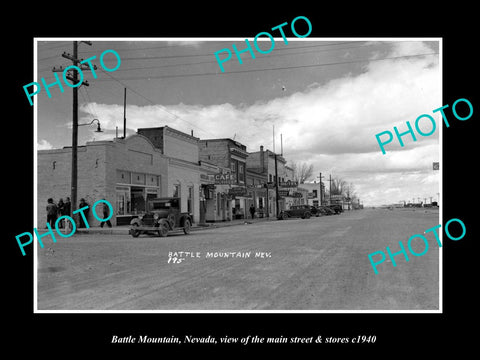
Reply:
x=125, y=229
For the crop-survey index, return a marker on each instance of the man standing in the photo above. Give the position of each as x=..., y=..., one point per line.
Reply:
x=106, y=214
x=82, y=204
x=66, y=209
x=51, y=212
x=61, y=212
x=252, y=211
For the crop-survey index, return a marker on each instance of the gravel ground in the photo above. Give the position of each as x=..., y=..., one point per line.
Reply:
x=307, y=264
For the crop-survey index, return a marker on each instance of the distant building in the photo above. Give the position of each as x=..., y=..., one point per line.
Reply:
x=262, y=164
x=314, y=196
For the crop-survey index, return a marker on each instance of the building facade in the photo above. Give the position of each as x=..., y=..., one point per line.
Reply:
x=229, y=188
x=270, y=166
x=182, y=153
x=125, y=172
x=315, y=197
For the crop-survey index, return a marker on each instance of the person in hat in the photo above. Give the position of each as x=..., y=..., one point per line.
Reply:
x=252, y=211
x=106, y=213
x=51, y=212
x=61, y=212
x=82, y=204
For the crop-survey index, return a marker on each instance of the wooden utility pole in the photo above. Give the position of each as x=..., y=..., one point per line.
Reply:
x=125, y=113
x=321, y=195
x=330, y=192
x=276, y=186
x=74, y=78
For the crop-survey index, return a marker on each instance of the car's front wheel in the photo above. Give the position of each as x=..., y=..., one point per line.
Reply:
x=306, y=215
x=284, y=216
x=163, y=230
x=187, y=226
x=135, y=233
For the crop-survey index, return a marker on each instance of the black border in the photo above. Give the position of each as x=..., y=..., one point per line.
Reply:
x=402, y=333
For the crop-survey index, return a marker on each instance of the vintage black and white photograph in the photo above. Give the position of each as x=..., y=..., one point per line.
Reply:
x=258, y=174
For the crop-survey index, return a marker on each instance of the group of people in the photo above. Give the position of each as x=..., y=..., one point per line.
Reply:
x=56, y=210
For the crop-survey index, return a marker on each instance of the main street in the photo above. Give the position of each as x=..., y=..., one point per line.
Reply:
x=307, y=264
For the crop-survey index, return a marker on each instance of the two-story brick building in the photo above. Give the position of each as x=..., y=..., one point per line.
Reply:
x=229, y=184
x=269, y=166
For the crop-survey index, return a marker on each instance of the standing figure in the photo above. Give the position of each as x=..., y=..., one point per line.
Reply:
x=252, y=211
x=67, y=208
x=106, y=213
x=61, y=212
x=82, y=204
x=51, y=212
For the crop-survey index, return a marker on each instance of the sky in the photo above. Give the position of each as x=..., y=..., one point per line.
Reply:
x=324, y=98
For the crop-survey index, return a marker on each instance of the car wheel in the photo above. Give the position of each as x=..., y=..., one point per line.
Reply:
x=187, y=227
x=284, y=216
x=163, y=230
x=306, y=215
x=133, y=231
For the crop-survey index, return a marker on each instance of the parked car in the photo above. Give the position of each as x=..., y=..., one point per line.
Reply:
x=162, y=216
x=303, y=211
x=325, y=210
x=337, y=208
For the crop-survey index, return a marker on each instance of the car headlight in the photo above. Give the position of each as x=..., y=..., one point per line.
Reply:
x=156, y=216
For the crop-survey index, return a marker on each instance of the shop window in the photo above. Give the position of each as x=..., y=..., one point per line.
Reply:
x=176, y=190
x=123, y=200
x=241, y=172
x=190, y=199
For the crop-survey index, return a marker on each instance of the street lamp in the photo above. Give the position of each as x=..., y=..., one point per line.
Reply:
x=99, y=129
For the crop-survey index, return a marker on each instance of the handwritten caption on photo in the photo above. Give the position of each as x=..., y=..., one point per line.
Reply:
x=177, y=257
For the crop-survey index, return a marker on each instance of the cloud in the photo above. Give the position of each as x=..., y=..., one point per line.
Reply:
x=331, y=125
x=44, y=145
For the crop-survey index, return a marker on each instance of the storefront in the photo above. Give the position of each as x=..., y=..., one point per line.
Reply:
x=241, y=200
x=133, y=190
x=125, y=172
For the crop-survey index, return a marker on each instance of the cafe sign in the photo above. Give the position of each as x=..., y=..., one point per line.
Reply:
x=223, y=179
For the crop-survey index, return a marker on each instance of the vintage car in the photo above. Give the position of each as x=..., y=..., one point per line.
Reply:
x=303, y=211
x=325, y=210
x=162, y=216
x=337, y=208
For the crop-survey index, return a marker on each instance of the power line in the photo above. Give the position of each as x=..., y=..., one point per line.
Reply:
x=214, y=61
x=269, y=69
x=211, y=54
x=155, y=104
